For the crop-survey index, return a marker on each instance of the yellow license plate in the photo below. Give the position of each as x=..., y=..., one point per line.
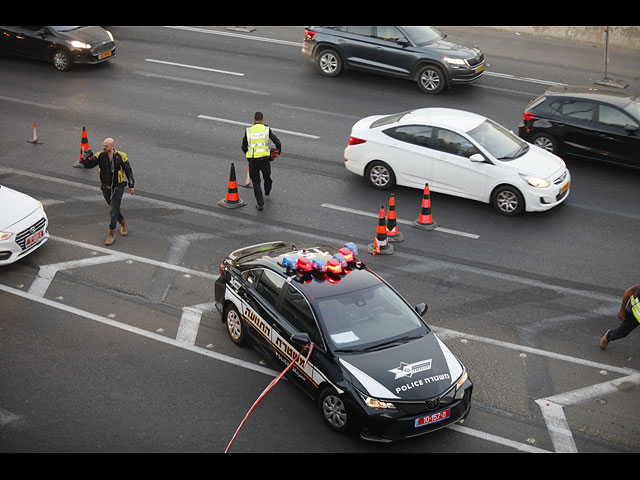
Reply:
x=565, y=187
x=480, y=68
x=104, y=55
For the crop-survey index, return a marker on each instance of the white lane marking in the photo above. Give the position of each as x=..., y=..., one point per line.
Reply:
x=139, y=331
x=7, y=417
x=244, y=124
x=46, y=273
x=553, y=409
x=128, y=256
x=194, y=67
x=523, y=79
x=28, y=102
x=199, y=82
x=398, y=220
x=190, y=322
x=236, y=35
x=445, y=333
x=523, y=447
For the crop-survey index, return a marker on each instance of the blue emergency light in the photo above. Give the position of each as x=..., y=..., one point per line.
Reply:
x=353, y=247
x=289, y=262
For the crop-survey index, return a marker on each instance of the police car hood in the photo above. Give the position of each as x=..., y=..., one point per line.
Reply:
x=416, y=370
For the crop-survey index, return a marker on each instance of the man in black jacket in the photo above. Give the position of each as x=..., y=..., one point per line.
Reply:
x=113, y=166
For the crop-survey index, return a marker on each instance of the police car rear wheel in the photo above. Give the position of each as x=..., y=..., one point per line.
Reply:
x=235, y=327
x=334, y=411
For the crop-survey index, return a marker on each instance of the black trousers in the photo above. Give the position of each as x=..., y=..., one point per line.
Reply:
x=627, y=325
x=257, y=165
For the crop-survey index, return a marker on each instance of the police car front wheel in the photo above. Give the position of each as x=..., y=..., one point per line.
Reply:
x=235, y=327
x=333, y=410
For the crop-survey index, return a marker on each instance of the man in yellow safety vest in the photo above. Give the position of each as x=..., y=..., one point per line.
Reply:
x=255, y=145
x=629, y=314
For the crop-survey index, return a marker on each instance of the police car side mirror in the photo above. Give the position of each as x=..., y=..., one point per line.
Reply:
x=301, y=338
x=421, y=308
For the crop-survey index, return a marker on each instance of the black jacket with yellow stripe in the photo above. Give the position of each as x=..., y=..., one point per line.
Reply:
x=110, y=177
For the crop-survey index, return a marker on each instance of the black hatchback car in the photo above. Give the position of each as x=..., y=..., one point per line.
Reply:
x=62, y=46
x=585, y=122
x=418, y=53
x=370, y=362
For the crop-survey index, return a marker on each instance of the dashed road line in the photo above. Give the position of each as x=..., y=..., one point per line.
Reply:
x=194, y=67
x=244, y=124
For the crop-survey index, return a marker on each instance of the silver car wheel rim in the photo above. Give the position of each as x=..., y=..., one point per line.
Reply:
x=334, y=411
x=328, y=63
x=233, y=324
x=379, y=176
x=430, y=79
x=507, y=201
x=60, y=61
x=544, y=143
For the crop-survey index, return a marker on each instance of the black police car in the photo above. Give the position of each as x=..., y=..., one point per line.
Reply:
x=375, y=367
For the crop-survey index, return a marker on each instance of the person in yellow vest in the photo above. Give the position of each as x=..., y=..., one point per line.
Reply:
x=255, y=145
x=629, y=315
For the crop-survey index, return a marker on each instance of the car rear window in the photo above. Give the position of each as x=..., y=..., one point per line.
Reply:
x=388, y=120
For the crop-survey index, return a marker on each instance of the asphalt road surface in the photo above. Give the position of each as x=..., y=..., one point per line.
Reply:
x=118, y=349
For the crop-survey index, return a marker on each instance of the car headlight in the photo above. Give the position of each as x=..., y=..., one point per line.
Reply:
x=455, y=61
x=535, y=181
x=110, y=35
x=377, y=404
x=79, y=44
x=5, y=235
x=463, y=378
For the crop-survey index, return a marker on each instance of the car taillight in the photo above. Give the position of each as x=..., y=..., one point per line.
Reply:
x=355, y=141
x=528, y=116
x=309, y=34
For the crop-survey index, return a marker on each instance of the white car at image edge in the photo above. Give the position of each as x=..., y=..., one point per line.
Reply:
x=23, y=225
x=457, y=153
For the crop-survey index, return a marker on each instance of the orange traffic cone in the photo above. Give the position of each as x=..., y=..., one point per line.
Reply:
x=247, y=180
x=381, y=245
x=392, y=225
x=84, y=146
x=425, y=220
x=232, y=200
x=34, y=137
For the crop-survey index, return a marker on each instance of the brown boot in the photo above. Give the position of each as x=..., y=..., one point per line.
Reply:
x=604, y=341
x=111, y=237
x=123, y=228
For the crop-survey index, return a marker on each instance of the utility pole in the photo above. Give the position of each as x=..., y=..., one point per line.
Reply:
x=606, y=81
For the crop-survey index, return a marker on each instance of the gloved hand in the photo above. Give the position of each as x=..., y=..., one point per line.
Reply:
x=86, y=155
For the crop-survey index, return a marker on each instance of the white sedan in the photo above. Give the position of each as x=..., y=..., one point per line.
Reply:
x=23, y=225
x=457, y=153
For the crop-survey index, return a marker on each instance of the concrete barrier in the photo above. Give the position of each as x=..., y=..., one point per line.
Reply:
x=627, y=37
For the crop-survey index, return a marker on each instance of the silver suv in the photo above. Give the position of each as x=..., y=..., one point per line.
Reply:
x=418, y=53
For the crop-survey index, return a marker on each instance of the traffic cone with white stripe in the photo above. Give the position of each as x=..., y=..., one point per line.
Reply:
x=425, y=219
x=392, y=225
x=84, y=146
x=381, y=245
x=232, y=200
x=247, y=179
x=34, y=137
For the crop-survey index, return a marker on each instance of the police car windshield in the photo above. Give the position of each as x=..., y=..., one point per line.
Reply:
x=362, y=319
